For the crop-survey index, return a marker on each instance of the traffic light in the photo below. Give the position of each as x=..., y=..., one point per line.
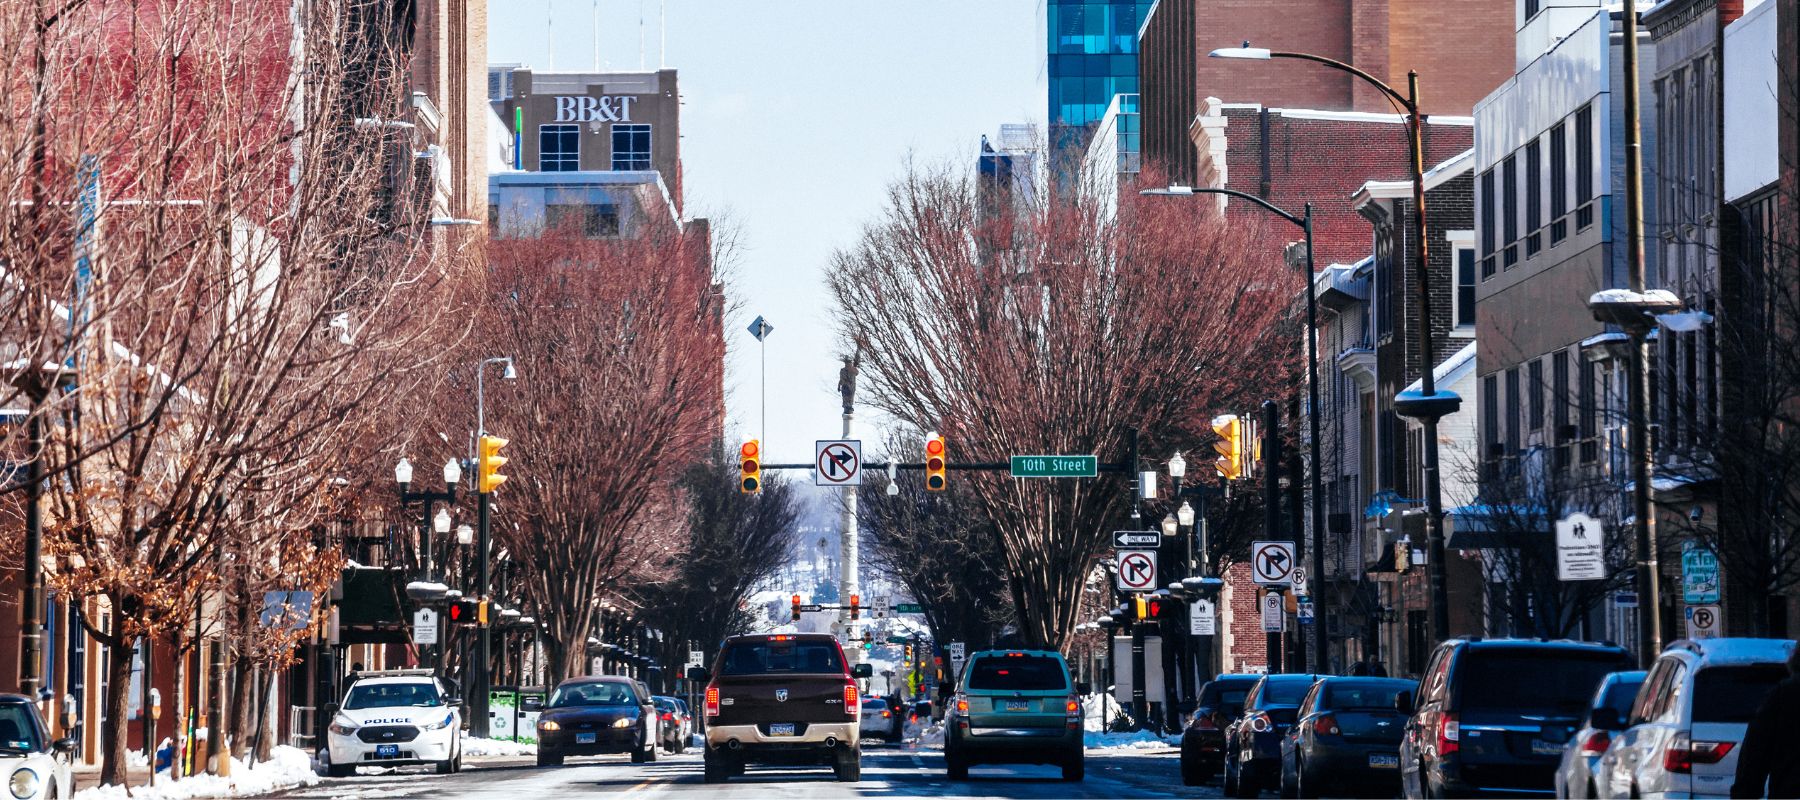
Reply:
x=1139, y=611
x=796, y=608
x=750, y=473
x=855, y=606
x=935, y=461
x=1154, y=608
x=909, y=654
x=464, y=611
x=481, y=612
x=488, y=464
x=1230, y=446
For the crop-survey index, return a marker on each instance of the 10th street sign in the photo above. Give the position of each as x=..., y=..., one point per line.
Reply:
x=1055, y=466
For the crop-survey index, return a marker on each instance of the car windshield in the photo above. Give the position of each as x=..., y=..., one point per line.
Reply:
x=1620, y=694
x=1017, y=673
x=771, y=656
x=600, y=693
x=18, y=729
x=1531, y=679
x=392, y=695
x=1359, y=694
x=1733, y=694
x=665, y=704
x=1284, y=691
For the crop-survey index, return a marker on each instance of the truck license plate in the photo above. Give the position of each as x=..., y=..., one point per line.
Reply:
x=1017, y=705
x=584, y=738
x=387, y=751
x=1384, y=761
x=1543, y=748
x=781, y=729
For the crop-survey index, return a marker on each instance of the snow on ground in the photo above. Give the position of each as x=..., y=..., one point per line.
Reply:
x=497, y=747
x=1136, y=740
x=287, y=767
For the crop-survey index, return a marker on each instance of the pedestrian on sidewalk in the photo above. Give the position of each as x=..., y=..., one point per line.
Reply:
x=1766, y=766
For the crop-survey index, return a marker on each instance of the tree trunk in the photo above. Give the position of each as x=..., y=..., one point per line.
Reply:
x=243, y=690
x=112, y=735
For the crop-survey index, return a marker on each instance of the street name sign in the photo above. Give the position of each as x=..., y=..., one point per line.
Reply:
x=908, y=608
x=1130, y=539
x=1272, y=563
x=1137, y=570
x=425, y=626
x=1055, y=466
x=1274, y=616
x=1580, y=553
x=1699, y=574
x=838, y=462
x=1703, y=622
x=1203, y=618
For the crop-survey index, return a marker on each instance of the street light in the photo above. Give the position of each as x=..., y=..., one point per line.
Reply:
x=465, y=535
x=441, y=522
x=1305, y=222
x=452, y=472
x=1177, y=466
x=403, y=473
x=1169, y=526
x=1428, y=405
x=1185, y=514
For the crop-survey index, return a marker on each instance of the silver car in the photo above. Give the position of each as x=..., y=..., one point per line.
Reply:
x=1575, y=775
x=33, y=765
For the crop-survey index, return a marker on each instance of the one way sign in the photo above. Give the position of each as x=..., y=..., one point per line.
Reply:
x=1126, y=539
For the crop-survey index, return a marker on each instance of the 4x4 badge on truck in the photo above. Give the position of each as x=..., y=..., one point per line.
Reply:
x=781, y=695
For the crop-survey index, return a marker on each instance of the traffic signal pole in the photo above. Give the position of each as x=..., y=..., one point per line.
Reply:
x=1271, y=458
x=478, y=674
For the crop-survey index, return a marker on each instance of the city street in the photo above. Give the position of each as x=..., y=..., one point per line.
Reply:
x=887, y=772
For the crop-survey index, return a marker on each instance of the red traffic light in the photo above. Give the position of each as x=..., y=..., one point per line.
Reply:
x=935, y=477
x=796, y=608
x=750, y=467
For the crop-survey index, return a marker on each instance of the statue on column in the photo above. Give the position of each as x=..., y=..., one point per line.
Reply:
x=847, y=381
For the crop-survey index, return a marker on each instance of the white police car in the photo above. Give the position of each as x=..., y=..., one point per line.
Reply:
x=395, y=718
x=33, y=766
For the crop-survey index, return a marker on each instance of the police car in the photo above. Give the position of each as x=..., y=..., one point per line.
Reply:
x=394, y=718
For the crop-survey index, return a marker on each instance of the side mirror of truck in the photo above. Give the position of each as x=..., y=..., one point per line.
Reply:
x=863, y=671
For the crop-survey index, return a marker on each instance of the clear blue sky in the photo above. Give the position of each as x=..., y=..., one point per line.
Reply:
x=797, y=114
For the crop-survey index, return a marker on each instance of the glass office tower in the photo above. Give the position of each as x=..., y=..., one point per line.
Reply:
x=1092, y=53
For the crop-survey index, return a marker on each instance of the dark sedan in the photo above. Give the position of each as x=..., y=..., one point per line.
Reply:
x=1203, y=741
x=1253, y=742
x=598, y=716
x=1347, y=737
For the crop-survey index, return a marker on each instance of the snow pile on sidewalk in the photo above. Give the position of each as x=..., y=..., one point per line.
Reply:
x=497, y=747
x=1135, y=740
x=286, y=768
x=931, y=736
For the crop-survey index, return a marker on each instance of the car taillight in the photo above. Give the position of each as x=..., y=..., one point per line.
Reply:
x=1260, y=722
x=1683, y=754
x=886, y=714
x=1595, y=744
x=850, y=705
x=668, y=717
x=1449, y=734
x=1325, y=724
x=712, y=701
x=962, y=706
x=1205, y=723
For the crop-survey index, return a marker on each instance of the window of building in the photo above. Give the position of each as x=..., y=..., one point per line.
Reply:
x=1512, y=411
x=631, y=147
x=1588, y=413
x=1559, y=182
x=1534, y=407
x=1490, y=414
x=1534, y=195
x=593, y=220
x=1559, y=405
x=1584, y=167
x=1509, y=207
x=559, y=148
x=1531, y=8
x=1487, y=224
x=1465, y=287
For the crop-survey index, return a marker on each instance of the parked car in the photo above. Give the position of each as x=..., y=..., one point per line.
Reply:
x=1492, y=716
x=788, y=699
x=878, y=718
x=1575, y=776
x=669, y=715
x=1015, y=707
x=1203, y=741
x=33, y=765
x=687, y=721
x=1253, y=740
x=1682, y=733
x=1347, y=736
x=921, y=712
x=393, y=718
x=598, y=715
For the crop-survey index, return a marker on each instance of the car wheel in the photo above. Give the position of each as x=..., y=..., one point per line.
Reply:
x=847, y=765
x=340, y=770
x=1592, y=790
x=549, y=759
x=1246, y=783
x=1229, y=782
x=1074, y=768
x=637, y=756
x=1191, y=774
x=1286, y=786
x=955, y=767
x=446, y=766
x=716, y=769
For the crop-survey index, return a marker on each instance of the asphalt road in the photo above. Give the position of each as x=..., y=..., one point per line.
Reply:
x=887, y=772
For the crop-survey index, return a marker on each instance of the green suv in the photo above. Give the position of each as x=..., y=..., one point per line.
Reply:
x=1015, y=707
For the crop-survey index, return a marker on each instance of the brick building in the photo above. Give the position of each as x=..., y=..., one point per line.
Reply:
x=1459, y=49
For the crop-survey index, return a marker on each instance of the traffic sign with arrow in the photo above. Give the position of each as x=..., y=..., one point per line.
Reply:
x=1129, y=539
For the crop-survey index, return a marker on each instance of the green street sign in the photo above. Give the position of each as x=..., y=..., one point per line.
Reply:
x=908, y=608
x=897, y=640
x=1055, y=466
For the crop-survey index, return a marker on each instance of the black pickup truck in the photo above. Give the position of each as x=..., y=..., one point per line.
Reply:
x=785, y=700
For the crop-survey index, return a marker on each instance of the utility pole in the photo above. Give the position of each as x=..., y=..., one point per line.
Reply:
x=1140, y=702
x=850, y=561
x=1271, y=458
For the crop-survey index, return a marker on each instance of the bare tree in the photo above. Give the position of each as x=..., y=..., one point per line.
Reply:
x=616, y=340
x=1083, y=328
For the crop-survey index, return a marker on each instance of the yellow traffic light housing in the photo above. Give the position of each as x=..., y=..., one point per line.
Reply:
x=855, y=606
x=796, y=608
x=936, y=462
x=1230, y=446
x=488, y=464
x=750, y=472
x=1139, y=612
